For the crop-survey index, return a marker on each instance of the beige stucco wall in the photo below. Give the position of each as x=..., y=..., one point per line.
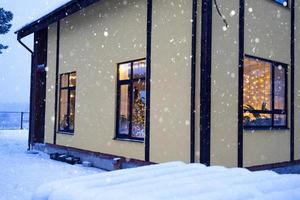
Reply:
x=269, y=24
x=50, y=84
x=171, y=80
x=224, y=84
x=267, y=35
x=297, y=80
x=85, y=49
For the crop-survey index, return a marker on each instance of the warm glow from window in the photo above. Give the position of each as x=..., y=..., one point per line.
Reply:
x=264, y=93
x=131, y=99
x=67, y=102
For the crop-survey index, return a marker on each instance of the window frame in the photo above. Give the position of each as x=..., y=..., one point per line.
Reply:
x=272, y=111
x=129, y=83
x=68, y=88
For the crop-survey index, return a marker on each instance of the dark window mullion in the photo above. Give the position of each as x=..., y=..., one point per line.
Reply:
x=124, y=82
x=68, y=104
x=59, y=106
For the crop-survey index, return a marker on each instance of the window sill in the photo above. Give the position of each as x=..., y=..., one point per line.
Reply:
x=265, y=128
x=65, y=133
x=128, y=140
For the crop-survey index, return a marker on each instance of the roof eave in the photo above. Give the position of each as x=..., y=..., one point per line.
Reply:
x=56, y=15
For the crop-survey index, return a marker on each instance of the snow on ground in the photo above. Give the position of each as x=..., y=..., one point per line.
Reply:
x=22, y=173
x=175, y=181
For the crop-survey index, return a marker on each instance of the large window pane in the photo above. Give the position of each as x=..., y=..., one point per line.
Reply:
x=72, y=110
x=64, y=80
x=67, y=102
x=131, y=100
x=257, y=85
x=264, y=93
x=124, y=120
x=124, y=71
x=139, y=69
x=72, y=79
x=138, y=113
x=279, y=87
x=63, y=123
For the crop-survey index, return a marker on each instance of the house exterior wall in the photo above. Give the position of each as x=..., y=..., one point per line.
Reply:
x=50, y=84
x=224, y=91
x=85, y=49
x=171, y=80
x=270, y=23
x=297, y=80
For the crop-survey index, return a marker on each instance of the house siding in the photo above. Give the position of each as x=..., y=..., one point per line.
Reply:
x=297, y=80
x=270, y=24
x=85, y=49
x=50, y=83
x=224, y=93
x=171, y=80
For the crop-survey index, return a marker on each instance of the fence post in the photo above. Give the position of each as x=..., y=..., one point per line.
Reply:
x=22, y=113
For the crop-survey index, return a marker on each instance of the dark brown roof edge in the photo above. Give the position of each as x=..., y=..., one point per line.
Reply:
x=57, y=14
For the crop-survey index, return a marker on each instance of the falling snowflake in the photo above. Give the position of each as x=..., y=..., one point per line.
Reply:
x=105, y=33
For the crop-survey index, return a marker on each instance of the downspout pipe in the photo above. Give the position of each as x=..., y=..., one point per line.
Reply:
x=30, y=135
x=25, y=46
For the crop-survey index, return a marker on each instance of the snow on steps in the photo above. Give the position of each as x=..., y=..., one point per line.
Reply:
x=175, y=180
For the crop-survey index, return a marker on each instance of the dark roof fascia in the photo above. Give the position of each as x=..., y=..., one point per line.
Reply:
x=54, y=16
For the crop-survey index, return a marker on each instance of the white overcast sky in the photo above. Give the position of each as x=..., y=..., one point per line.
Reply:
x=15, y=61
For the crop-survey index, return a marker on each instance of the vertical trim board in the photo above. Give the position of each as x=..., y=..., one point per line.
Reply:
x=240, y=92
x=193, y=82
x=292, y=52
x=205, y=81
x=148, y=79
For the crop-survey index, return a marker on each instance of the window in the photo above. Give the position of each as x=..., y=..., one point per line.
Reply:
x=282, y=2
x=131, y=100
x=264, y=94
x=67, y=95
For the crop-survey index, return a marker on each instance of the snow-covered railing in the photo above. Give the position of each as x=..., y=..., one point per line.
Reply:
x=14, y=120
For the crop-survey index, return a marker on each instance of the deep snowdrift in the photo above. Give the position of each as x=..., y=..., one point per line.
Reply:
x=22, y=173
x=175, y=180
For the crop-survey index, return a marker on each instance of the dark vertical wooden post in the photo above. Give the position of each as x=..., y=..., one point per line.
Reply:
x=292, y=139
x=193, y=82
x=148, y=79
x=32, y=97
x=22, y=120
x=205, y=94
x=241, y=82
